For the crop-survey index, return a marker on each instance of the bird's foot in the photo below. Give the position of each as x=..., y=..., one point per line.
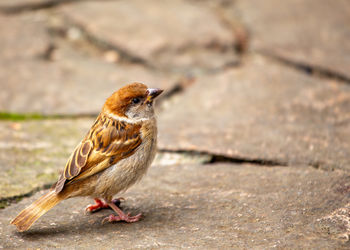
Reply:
x=123, y=217
x=101, y=205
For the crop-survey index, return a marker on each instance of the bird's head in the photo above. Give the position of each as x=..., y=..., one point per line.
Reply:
x=133, y=101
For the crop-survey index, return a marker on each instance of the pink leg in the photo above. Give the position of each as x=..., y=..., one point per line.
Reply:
x=101, y=205
x=121, y=215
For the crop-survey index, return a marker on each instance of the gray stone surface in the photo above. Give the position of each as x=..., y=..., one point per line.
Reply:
x=262, y=111
x=23, y=37
x=67, y=58
x=201, y=206
x=70, y=83
x=311, y=32
x=177, y=35
x=32, y=153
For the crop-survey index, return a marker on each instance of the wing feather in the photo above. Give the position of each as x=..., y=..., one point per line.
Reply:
x=107, y=142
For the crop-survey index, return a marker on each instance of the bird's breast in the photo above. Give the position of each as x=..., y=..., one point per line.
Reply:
x=127, y=171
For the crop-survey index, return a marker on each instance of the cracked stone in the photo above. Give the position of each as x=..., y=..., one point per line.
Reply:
x=178, y=35
x=12, y=4
x=215, y=206
x=32, y=153
x=262, y=111
x=69, y=83
x=311, y=32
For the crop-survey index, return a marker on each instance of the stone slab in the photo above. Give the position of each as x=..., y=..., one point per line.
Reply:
x=310, y=32
x=70, y=83
x=201, y=206
x=176, y=35
x=33, y=153
x=23, y=37
x=262, y=111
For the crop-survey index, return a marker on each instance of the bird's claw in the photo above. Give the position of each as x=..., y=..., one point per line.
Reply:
x=126, y=217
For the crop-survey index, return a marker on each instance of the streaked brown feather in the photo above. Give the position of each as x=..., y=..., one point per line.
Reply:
x=107, y=142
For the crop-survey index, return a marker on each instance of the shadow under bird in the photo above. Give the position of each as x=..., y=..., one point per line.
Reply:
x=114, y=154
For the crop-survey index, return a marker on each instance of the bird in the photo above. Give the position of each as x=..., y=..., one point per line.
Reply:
x=114, y=154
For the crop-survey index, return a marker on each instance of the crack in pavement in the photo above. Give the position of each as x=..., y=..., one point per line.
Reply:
x=239, y=31
x=8, y=201
x=26, y=7
x=306, y=68
x=219, y=158
x=97, y=43
x=12, y=10
x=200, y=157
x=102, y=46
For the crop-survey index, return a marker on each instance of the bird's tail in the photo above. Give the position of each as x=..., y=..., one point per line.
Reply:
x=28, y=216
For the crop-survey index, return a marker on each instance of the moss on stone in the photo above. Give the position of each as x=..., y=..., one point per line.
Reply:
x=20, y=117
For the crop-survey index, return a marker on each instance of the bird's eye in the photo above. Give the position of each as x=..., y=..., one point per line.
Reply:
x=136, y=100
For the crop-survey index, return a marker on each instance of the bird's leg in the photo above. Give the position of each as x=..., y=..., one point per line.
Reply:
x=121, y=215
x=99, y=204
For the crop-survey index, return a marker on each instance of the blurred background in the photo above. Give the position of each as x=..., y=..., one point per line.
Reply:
x=257, y=100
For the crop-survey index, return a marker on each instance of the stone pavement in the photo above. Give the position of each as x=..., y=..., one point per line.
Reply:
x=192, y=206
x=253, y=127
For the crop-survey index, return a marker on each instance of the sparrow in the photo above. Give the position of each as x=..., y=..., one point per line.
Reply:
x=115, y=153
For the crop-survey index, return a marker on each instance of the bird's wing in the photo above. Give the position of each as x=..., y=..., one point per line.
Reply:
x=107, y=142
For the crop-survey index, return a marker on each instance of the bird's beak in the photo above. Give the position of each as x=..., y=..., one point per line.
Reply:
x=153, y=93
